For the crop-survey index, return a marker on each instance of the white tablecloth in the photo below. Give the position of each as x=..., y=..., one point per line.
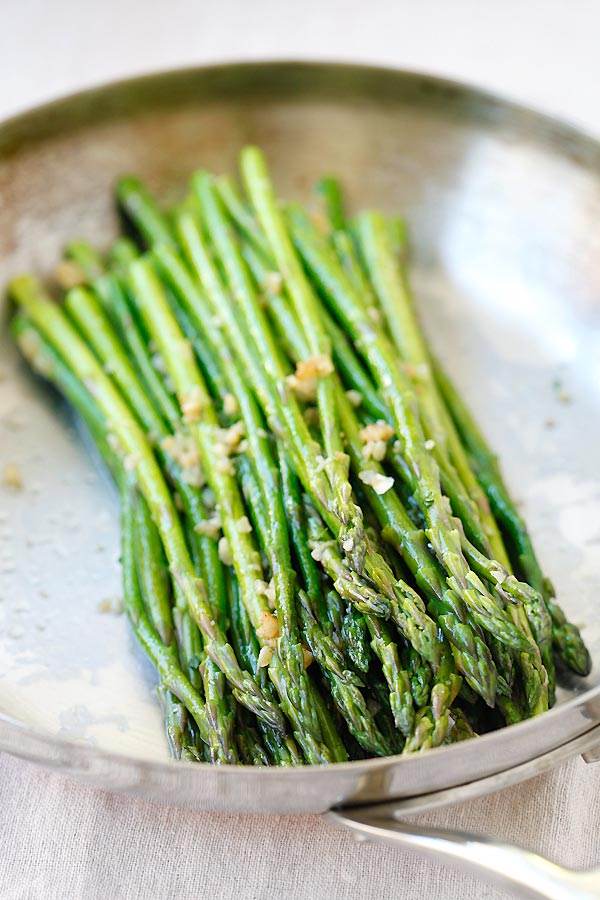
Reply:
x=61, y=840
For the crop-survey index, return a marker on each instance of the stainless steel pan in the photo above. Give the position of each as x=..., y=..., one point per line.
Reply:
x=504, y=208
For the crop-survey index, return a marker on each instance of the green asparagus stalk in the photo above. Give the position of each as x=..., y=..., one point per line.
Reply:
x=390, y=283
x=121, y=254
x=163, y=657
x=403, y=604
x=180, y=738
x=566, y=637
x=50, y=365
x=283, y=750
x=52, y=322
x=467, y=646
x=152, y=571
x=343, y=508
x=331, y=193
x=401, y=399
x=116, y=302
x=292, y=681
x=86, y=257
x=88, y=314
x=344, y=685
x=137, y=205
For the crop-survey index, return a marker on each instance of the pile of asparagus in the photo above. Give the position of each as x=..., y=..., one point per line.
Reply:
x=319, y=554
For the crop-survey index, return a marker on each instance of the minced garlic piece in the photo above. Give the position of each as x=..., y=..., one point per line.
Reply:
x=269, y=626
x=210, y=527
x=230, y=405
x=267, y=590
x=186, y=349
x=231, y=436
x=319, y=550
x=377, y=431
x=354, y=397
x=223, y=550
x=374, y=450
x=379, y=483
x=304, y=379
x=260, y=586
x=272, y=283
x=12, y=477
x=183, y=450
x=159, y=363
x=113, y=605
x=429, y=445
x=194, y=476
x=131, y=461
x=315, y=367
x=265, y=656
x=225, y=466
x=270, y=594
x=243, y=525
x=191, y=404
x=308, y=657
x=114, y=443
x=68, y=274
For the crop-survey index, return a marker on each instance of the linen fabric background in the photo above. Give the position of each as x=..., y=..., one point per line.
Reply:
x=59, y=839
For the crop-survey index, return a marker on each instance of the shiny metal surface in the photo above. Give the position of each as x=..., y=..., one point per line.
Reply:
x=504, y=207
x=509, y=866
x=523, y=872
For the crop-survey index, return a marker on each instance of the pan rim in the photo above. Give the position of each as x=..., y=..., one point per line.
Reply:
x=49, y=746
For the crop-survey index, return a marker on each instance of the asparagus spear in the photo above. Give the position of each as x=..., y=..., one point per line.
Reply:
x=86, y=257
x=566, y=637
x=346, y=362
x=50, y=365
x=390, y=283
x=283, y=750
x=162, y=656
x=344, y=685
x=404, y=607
x=292, y=683
x=116, y=302
x=463, y=649
x=335, y=480
x=152, y=571
x=52, y=322
x=401, y=400
x=469, y=649
x=138, y=205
